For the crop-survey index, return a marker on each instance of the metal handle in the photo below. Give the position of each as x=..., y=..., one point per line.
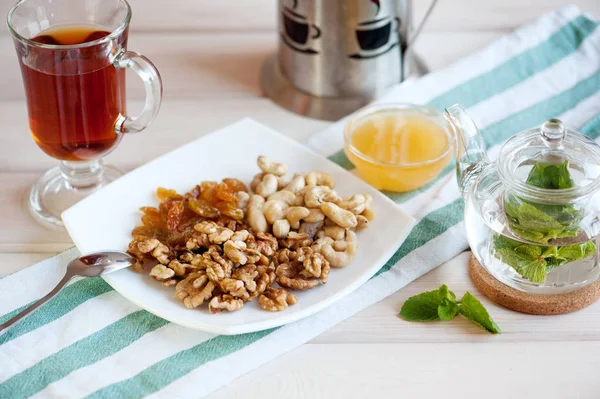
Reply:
x=37, y=304
x=409, y=41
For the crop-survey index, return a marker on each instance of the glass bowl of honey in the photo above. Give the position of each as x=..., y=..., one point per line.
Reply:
x=398, y=147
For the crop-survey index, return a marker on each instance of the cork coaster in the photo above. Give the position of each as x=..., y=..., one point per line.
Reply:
x=531, y=303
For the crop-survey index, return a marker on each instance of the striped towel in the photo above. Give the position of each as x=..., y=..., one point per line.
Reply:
x=89, y=341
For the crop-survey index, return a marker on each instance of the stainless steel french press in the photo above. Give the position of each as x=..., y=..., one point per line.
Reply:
x=335, y=56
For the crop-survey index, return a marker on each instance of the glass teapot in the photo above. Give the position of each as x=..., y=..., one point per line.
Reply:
x=533, y=217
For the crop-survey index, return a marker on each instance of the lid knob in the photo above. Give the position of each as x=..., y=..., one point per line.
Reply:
x=553, y=132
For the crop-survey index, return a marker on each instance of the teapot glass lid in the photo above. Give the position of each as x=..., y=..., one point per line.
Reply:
x=551, y=158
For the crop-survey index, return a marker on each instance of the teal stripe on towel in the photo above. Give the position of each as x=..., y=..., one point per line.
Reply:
x=69, y=298
x=103, y=343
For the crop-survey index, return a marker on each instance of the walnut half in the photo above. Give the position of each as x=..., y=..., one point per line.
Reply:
x=276, y=300
x=224, y=302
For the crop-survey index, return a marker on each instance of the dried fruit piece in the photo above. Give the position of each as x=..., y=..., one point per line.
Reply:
x=208, y=191
x=203, y=209
x=235, y=185
x=163, y=194
x=150, y=232
x=175, y=214
x=230, y=209
x=194, y=193
x=151, y=217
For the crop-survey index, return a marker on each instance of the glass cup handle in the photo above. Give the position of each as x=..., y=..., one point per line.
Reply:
x=153, y=86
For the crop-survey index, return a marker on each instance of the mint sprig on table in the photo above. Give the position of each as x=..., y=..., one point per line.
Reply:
x=442, y=304
x=542, y=223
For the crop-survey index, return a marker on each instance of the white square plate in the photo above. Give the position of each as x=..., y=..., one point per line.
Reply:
x=105, y=220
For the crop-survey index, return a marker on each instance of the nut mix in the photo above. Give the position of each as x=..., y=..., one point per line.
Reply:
x=222, y=245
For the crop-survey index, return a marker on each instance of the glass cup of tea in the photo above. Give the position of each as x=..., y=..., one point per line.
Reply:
x=73, y=56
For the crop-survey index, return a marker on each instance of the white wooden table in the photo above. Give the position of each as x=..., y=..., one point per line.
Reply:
x=209, y=54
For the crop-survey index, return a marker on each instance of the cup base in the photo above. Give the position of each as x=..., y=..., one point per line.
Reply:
x=52, y=194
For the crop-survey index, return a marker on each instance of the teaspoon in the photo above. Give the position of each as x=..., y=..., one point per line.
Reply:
x=90, y=265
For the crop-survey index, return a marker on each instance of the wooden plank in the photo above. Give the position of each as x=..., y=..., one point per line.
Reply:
x=260, y=15
x=494, y=371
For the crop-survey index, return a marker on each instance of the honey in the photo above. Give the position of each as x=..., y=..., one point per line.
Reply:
x=398, y=148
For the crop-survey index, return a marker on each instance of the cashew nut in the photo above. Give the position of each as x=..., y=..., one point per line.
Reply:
x=348, y=239
x=329, y=222
x=315, y=215
x=316, y=178
x=256, y=181
x=335, y=232
x=317, y=195
x=242, y=199
x=341, y=217
x=339, y=258
x=295, y=214
x=297, y=184
x=351, y=237
x=319, y=243
x=267, y=165
x=234, y=251
x=274, y=210
x=340, y=245
x=256, y=218
x=284, y=196
x=368, y=212
x=267, y=186
x=355, y=204
x=299, y=200
x=281, y=228
x=362, y=222
x=283, y=181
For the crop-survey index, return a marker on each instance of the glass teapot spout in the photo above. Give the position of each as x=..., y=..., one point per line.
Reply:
x=471, y=156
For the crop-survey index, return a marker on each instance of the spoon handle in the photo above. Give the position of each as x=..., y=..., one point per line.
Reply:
x=37, y=304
